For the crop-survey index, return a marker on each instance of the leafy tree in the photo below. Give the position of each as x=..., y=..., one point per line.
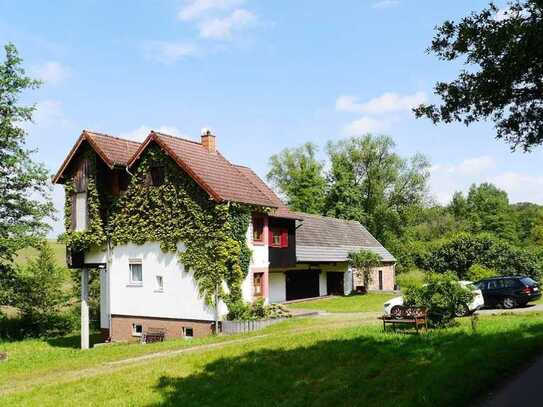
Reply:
x=299, y=177
x=503, y=80
x=363, y=261
x=38, y=292
x=24, y=201
x=370, y=183
x=443, y=296
x=489, y=211
x=477, y=272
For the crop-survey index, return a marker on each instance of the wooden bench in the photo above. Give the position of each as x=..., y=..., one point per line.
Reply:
x=153, y=335
x=404, y=315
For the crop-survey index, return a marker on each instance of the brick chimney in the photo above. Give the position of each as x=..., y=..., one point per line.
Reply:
x=208, y=141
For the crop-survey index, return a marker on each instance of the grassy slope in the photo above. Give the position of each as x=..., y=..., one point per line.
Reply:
x=357, y=365
x=59, y=250
x=372, y=302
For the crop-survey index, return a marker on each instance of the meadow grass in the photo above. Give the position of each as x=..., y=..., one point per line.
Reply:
x=296, y=364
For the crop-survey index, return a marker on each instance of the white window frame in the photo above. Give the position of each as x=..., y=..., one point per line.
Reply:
x=159, y=288
x=134, y=331
x=136, y=283
x=80, y=203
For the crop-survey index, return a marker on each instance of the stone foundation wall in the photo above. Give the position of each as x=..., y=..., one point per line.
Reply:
x=121, y=327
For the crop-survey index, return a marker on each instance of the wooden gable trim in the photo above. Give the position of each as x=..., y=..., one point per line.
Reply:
x=154, y=137
x=83, y=137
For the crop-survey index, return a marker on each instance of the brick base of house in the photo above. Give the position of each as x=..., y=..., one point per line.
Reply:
x=122, y=327
x=387, y=279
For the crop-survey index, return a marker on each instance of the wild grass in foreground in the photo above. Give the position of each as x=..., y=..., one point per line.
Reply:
x=348, y=366
x=371, y=302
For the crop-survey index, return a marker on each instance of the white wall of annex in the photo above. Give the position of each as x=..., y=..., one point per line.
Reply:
x=278, y=288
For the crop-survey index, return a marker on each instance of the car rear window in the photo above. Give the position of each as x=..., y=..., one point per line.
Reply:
x=528, y=281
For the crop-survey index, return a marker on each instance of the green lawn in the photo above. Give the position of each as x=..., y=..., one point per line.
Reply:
x=317, y=361
x=59, y=249
x=372, y=302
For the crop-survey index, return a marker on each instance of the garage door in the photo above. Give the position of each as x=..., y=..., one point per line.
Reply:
x=302, y=284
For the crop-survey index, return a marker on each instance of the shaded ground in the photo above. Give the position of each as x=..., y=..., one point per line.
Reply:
x=332, y=360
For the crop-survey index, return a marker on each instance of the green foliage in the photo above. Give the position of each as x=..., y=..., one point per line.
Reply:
x=463, y=250
x=370, y=183
x=95, y=234
x=37, y=291
x=502, y=81
x=443, y=296
x=477, y=272
x=363, y=261
x=413, y=278
x=24, y=184
x=213, y=235
x=241, y=311
x=299, y=176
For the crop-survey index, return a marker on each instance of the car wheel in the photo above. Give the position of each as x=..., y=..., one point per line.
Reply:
x=462, y=310
x=396, y=311
x=509, y=303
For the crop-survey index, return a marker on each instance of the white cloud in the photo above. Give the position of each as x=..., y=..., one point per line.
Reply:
x=386, y=103
x=223, y=27
x=385, y=4
x=140, y=133
x=471, y=166
x=195, y=9
x=363, y=125
x=168, y=52
x=51, y=72
x=49, y=113
x=520, y=187
x=506, y=13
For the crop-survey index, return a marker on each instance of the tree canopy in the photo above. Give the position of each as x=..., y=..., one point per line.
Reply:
x=24, y=184
x=503, y=78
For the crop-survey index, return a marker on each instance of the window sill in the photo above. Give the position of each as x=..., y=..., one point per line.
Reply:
x=134, y=285
x=158, y=291
x=258, y=243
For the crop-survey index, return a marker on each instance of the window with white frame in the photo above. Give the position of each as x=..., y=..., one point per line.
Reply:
x=137, y=329
x=135, y=272
x=159, y=283
x=80, y=211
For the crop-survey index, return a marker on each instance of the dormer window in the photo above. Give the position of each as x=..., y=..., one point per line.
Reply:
x=155, y=176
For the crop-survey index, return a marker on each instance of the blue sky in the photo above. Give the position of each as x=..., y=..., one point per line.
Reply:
x=263, y=75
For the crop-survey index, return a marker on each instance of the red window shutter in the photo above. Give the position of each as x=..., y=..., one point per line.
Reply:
x=284, y=238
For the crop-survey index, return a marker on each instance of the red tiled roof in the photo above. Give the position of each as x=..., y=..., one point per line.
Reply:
x=112, y=150
x=216, y=175
x=222, y=180
x=282, y=210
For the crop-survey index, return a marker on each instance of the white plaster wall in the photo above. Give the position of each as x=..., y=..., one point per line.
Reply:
x=322, y=283
x=259, y=257
x=180, y=297
x=278, y=288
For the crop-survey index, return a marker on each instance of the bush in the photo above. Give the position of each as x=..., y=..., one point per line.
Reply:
x=442, y=295
x=463, y=250
x=477, y=272
x=257, y=310
x=414, y=278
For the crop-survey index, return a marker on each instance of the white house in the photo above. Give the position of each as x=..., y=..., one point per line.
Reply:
x=142, y=287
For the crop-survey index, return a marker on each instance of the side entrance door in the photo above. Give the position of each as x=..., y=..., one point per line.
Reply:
x=334, y=283
x=302, y=284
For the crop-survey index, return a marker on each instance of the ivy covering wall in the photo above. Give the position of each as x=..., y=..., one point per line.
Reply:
x=209, y=238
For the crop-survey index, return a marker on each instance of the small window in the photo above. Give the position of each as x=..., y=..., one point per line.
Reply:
x=159, y=283
x=188, y=332
x=279, y=238
x=155, y=176
x=258, y=279
x=258, y=229
x=80, y=211
x=136, y=272
x=137, y=329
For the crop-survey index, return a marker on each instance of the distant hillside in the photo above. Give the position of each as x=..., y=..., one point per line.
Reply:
x=58, y=248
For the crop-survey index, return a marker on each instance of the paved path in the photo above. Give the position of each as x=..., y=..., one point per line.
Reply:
x=528, y=308
x=523, y=390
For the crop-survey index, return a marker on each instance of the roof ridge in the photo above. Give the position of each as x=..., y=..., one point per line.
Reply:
x=92, y=132
x=176, y=138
